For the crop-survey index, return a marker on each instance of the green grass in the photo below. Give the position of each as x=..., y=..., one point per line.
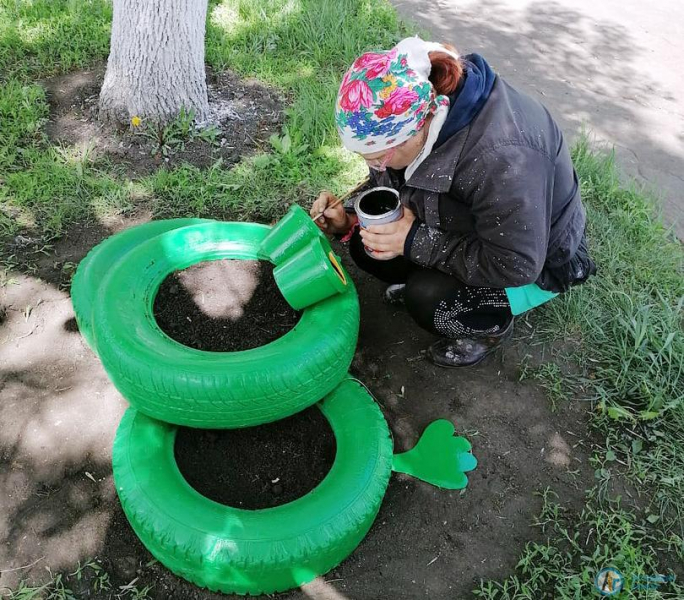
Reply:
x=301, y=46
x=45, y=37
x=23, y=112
x=576, y=548
x=626, y=324
x=297, y=46
x=629, y=346
x=88, y=580
x=629, y=320
x=45, y=188
x=629, y=325
x=260, y=187
x=59, y=187
x=549, y=376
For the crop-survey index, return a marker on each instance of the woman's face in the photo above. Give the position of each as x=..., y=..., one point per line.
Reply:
x=398, y=157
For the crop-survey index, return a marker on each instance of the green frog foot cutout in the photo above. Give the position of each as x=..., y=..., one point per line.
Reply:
x=439, y=457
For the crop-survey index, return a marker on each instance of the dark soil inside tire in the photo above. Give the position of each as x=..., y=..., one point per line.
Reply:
x=258, y=467
x=223, y=306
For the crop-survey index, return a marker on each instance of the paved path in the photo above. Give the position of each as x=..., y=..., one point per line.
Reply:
x=613, y=67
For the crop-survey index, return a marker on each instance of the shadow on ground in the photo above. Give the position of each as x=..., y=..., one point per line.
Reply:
x=590, y=73
x=59, y=414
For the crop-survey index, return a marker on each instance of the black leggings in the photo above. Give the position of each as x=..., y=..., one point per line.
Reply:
x=438, y=302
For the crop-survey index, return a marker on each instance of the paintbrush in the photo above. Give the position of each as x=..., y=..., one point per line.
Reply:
x=342, y=198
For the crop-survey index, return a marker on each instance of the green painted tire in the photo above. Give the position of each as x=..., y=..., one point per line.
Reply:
x=262, y=551
x=97, y=263
x=171, y=382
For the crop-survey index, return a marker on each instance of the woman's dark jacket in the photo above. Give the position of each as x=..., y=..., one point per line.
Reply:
x=498, y=203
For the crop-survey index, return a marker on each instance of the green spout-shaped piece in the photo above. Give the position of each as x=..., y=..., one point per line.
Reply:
x=289, y=235
x=313, y=274
x=439, y=457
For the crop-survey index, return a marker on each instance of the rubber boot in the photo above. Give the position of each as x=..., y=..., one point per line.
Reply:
x=466, y=352
x=394, y=294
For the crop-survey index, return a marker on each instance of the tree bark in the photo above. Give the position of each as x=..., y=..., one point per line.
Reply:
x=156, y=61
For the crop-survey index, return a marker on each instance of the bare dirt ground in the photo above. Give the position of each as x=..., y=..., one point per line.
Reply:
x=59, y=414
x=245, y=112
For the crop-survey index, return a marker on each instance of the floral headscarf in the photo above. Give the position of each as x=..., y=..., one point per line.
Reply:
x=385, y=97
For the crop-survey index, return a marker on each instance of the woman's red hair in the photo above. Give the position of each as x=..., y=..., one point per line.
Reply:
x=446, y=71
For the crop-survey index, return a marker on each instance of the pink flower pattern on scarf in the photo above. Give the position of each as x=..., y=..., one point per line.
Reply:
x=355, y=95
x=376, y=64
x=384, y=99
x=398, y=102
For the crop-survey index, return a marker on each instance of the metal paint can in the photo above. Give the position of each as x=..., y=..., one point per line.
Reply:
x=378, y=206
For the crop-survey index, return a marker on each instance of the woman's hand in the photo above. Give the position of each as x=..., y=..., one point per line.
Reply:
x=387, y=241
x=333, y=220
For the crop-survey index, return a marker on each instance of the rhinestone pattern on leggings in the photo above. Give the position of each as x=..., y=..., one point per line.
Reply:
x=451, y=316
x=439, y=303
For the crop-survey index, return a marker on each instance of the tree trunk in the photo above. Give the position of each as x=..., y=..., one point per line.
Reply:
x=156, y=61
